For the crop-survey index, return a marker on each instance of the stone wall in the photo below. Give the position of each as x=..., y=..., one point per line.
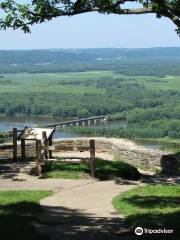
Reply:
x=123, y=149
x=171, y=164
x=6, y=150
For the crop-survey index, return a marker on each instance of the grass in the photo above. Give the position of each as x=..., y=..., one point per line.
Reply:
x=160, y=140
x=18, y=211
x=64, y=174
x=105, y=170
x=151, y=206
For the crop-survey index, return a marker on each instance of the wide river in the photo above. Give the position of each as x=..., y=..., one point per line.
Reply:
x=8, y=123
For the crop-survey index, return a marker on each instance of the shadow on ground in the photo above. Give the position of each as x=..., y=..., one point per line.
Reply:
x=20, y=221
x=67, y=224
x=16, y=221
x=160, y=178
x=9, y=169
x=72, y=224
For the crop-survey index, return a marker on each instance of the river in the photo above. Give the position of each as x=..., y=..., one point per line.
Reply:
x=8, y=123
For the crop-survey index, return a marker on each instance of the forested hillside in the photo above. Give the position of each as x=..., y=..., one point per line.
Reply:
x=143, y=67
x=78, y=55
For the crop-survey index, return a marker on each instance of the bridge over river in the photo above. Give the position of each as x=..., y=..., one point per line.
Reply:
x=76, y=122
x=79, y=122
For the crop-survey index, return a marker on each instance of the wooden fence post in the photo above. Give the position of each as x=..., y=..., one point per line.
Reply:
x=44, y=137
x=50, y=144
x=92, y=157
x=15, y=133
x=38, y=156
x=23, y=148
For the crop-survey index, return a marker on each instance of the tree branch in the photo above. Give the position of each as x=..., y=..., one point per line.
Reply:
x=133, y=11
x=23, y=15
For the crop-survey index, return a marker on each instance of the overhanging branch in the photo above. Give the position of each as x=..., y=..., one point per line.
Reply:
x=23, y=15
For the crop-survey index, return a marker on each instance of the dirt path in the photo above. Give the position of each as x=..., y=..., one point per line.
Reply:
x=79, y=209
x=15, y=176
x=84, y=212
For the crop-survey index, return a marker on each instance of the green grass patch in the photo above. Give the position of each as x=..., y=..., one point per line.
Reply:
x=18, y=211
x=64, y=174
x=151, y=206
x=105, y=170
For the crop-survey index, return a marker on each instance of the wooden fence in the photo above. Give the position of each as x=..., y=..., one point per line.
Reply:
x=16, y=150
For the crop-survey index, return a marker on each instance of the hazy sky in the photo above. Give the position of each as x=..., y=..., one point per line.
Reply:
x=95, y=30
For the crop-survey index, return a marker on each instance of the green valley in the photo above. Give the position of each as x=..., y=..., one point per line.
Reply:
x=144, y=92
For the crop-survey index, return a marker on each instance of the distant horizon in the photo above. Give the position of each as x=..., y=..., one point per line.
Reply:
x=83, y=48
x=94, y=30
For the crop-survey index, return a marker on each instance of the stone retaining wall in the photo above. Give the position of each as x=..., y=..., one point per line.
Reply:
x=6, y=150
x=124, y=150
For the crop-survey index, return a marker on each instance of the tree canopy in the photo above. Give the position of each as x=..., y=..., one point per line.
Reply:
x=17, y=15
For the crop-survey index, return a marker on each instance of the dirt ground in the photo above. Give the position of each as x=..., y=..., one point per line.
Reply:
x=84, y=154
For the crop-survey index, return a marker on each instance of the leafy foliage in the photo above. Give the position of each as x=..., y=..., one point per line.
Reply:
x=22, y=16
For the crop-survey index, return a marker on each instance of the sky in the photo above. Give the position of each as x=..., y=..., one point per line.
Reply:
x=94, y=30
